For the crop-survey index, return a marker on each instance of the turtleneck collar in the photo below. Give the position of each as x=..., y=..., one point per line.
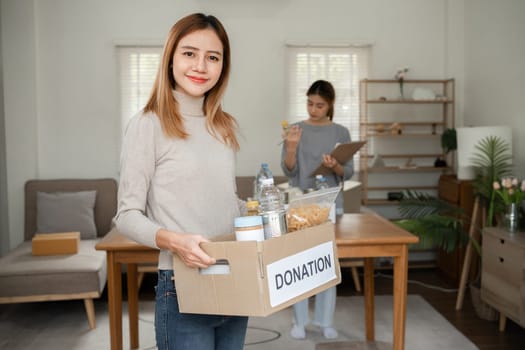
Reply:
x=189, y=105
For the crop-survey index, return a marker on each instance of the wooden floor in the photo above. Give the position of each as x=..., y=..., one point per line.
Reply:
x=483, y=333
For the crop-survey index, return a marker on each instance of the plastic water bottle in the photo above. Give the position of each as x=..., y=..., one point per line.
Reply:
x=271, y=208
x=320, y=183
x=264, y=173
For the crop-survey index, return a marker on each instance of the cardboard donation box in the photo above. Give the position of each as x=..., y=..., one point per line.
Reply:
x=55, y=243
x=259, y=278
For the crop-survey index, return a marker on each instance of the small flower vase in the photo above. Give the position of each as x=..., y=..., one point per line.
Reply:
x=512, y=217
x=402, y=96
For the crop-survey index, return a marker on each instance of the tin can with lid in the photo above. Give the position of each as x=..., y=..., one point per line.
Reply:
x=274, y=223
x=249, y=228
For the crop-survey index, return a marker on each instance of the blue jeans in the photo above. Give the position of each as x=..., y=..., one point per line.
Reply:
x=179, y=331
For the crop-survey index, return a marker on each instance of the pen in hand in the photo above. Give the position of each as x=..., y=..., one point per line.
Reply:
x=284, y=125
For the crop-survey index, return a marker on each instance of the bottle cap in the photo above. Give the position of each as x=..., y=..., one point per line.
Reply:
x=247, y=221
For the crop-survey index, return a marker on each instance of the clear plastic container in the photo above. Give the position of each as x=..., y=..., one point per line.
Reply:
x=320, y=183
x=311, y=209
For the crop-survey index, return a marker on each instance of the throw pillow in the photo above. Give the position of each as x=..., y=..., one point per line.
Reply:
x=65, y=212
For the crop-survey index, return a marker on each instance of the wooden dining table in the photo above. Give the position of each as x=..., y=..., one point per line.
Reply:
x=369, y=236
x=364, y=235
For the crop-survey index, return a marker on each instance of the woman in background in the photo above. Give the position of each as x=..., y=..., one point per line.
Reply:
x=166, y=198
x=308, y=144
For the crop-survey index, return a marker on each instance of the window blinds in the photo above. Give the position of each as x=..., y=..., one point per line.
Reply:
x=344, y=67
x=137, y=71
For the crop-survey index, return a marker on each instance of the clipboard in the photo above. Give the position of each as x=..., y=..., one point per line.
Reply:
x=342, y=152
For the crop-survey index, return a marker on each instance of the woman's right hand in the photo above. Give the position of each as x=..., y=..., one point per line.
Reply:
x=293, y=136
x=186, y=246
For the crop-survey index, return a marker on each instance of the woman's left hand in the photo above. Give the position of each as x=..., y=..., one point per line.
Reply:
x=329, y=161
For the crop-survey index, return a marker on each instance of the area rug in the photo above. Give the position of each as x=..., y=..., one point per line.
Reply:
x=63, y=325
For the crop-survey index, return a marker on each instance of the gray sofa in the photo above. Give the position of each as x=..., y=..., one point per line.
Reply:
x=28, y=278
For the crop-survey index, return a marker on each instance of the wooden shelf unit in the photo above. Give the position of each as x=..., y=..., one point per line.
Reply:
x=412, y=127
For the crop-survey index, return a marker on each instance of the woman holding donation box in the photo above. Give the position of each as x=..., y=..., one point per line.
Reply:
x=166, y=199
x=307, y=145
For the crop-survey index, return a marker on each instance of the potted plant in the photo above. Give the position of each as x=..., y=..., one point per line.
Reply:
x=436, y=222
x=448, y=143
x=440, y=223
x=491, y=162
x=511, y=191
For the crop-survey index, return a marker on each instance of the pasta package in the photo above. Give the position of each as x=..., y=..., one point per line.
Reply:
x=311, y=209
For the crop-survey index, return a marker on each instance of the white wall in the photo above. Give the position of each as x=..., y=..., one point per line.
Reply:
x=60, y=79
x=61, y=105
x=495, y=68
x=20, y=111
x=4, y=217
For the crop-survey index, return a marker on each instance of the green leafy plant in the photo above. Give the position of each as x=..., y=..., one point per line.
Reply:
x=492, y=162
x=448, y=143
x=436, y=222
x=449, y=140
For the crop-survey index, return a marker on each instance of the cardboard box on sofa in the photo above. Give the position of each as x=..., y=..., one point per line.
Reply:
x=61, y=243
x=264, y=277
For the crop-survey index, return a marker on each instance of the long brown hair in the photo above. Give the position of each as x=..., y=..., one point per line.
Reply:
x=161, y=101
x=326, y=90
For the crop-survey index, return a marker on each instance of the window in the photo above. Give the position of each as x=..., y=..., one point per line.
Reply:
x=137, y=71
x=344, y=67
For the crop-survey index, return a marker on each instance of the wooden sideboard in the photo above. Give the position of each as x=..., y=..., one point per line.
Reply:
x=459, y=193
x=503, y=273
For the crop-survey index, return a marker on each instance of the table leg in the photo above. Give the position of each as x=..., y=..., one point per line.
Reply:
x=114, y=302
x=369, y=298
x=400, y=297
x=133, y=306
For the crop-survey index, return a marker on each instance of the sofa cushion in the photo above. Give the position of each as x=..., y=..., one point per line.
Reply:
x=105, y=204
x=66, y=212
x=22, y=274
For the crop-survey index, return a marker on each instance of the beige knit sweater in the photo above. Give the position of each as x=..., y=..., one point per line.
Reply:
x=183, y=186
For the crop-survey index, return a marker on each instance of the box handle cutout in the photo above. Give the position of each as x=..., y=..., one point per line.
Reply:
x=221, y=267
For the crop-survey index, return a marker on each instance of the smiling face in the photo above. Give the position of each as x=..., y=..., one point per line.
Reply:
x=197, y=62
x=317, y=109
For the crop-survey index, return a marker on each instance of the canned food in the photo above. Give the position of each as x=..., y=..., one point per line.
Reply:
x=274, y=223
